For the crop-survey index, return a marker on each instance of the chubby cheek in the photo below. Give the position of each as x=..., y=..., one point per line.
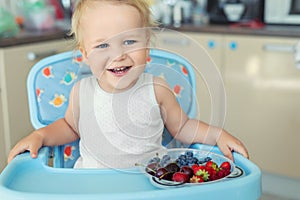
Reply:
x=94, y=61
x=140, y=57
x=97, y=64
x=97, y=69
x=97, y=72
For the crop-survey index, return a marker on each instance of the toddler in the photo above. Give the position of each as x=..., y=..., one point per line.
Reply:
x=120, y=112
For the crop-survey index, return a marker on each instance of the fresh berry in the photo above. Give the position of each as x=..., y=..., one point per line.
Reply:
x=187, y=168
x=154, y=160
x=197, y=168
x=225, y=166
x=189, y=154
x=221, y=174
x=196, y=179
x=166, y=159
x=211, y=170
x=206, y=159
x=180, y=177
x=186, y=159
x=182, y=160
x=213, y=177
x=203, y=174
x=211, y=164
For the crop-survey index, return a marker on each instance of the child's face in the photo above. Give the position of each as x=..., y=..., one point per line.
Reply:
x=114, y=44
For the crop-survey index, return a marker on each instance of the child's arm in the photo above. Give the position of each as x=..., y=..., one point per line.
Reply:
x=59, y=132
x=190, y=130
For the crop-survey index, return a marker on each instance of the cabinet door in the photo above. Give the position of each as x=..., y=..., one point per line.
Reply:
x=204, y=52
x=17, y=63
x=213, y=45
x=2, y=139
x=210, y=84
x=263, y=93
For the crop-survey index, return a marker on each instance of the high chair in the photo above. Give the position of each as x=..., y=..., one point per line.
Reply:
x=49, y=83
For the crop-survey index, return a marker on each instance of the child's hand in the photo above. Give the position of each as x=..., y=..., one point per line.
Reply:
x=32, y=143
x=228, y=143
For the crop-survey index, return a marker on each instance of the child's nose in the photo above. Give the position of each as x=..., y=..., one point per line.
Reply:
x=119, y=55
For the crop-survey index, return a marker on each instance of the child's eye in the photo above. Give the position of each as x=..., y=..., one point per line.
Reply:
x=102, y=46
x=129, y=42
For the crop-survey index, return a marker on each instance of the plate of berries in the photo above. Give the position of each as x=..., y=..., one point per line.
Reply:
x=186, y=167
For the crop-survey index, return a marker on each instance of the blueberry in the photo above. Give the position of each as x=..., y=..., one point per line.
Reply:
x=189, y=154
x=200, y=162
x=165, y=162
x=154, y=160
x=183, y=163
x=204, y=160
x=207, y=159
x=178, y=162
x=189, y=160
x=194, y=160
x=166, y=157
x=182, y=157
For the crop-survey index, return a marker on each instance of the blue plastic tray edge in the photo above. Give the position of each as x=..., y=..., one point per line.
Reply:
x=252, y=193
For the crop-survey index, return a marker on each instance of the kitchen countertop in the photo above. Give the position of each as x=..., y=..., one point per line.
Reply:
x=25, y=37
x=269, y=30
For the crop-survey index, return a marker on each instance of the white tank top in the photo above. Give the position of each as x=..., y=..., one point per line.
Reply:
x=118, y=130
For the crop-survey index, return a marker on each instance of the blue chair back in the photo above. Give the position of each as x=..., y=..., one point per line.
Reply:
x=51, y=79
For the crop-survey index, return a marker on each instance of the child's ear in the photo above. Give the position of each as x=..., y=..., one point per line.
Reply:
x=148, y=45
x=148, y=51
x=84, y=55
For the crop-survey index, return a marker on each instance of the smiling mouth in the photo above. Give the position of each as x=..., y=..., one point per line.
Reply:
x=119, y=70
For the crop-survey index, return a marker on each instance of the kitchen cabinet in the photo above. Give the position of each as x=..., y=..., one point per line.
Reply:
x=262, y=85
x=15, y=63
x=2, y=144
x=204, y=52
x=263, y=93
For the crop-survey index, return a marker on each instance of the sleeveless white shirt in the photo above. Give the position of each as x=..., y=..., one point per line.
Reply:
x=118, y=130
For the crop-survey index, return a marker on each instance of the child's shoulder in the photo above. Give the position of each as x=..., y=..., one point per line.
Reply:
x=156, y=80
x=85, y=81
x=160, y=81
x=161, y=86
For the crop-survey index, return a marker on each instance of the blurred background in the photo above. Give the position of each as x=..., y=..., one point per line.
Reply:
x=254, y=43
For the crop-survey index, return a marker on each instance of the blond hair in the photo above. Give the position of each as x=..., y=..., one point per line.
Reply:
x=141, y=5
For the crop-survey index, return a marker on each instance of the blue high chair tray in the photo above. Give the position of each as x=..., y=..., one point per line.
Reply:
x=27, y=178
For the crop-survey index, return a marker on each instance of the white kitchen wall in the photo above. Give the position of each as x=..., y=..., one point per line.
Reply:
x=5, y=4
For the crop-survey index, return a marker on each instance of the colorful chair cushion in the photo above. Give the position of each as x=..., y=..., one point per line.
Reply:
x=51, y=79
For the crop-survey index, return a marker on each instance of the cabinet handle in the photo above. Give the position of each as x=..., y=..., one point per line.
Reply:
x=174, y=41
x=279, y=48
x=33, y=55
